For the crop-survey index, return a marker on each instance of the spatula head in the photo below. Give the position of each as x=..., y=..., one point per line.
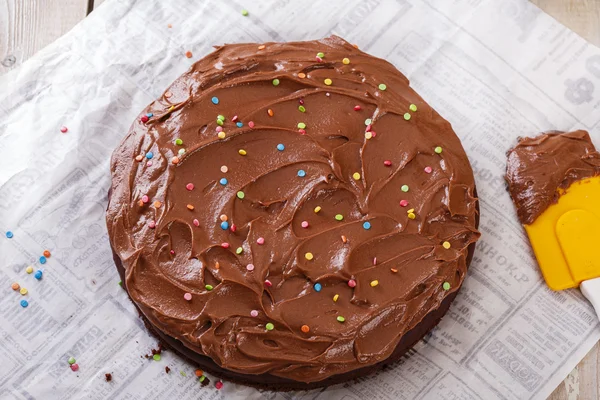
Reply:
x=566, y=236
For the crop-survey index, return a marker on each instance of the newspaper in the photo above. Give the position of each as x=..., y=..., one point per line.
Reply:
x=496, y=69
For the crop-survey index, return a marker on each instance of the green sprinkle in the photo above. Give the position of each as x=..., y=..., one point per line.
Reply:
x=120, y=283
x=178, y=142
x=412, y=108
x=339, y=217
x=72, y=360
x=182, y=373
x=245, y=13
x=202, y=378
x=368, y=121
x=209, y=287
x=404, y=188
x=320, y=54
x=438, y=150
x=446, y=286
x=156, y=357
x=219, y=122
x=382, y=86
x=269, y=326
x=340, y=318
x=301, y=108
x=301, y=125
x=240, y=195
x=407, y=116
x=275, y=82
x=239, y=250
x=221, y=117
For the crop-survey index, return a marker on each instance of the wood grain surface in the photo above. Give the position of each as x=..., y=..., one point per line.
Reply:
x=27, y=26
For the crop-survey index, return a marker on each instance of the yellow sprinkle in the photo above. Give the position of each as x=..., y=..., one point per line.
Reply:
x=223, y=217
x=346, y=61
x=317, y=209
x=23, y=291
x=336, y=297
x=309, y=256
x=412, y=108
x=368, y=135
x=446, y=245
x=394, y=270
x=171, y=108
x=328, y=82
x=221, y=135
x=356, y=176
x=374, y=283
x=242, y=152
x=412, y=210
x=29, y=269
x=190, y=207
x=157, y=204
x=412, y=216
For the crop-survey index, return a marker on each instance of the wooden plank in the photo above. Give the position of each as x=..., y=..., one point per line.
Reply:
x=584, y=382
x=581, y=16
x=27, y=26
x=98, y=2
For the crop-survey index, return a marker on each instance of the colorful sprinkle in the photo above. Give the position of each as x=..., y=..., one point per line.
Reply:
x=368, y=135
x=29, y=269
x=24, y=303
x=189, y=186
x=181, y=152
x=251, y=124
x=301, y=75
x=305, y=328
x=224, y=225
x=71, y=361
x=149, y=155
x=356, y=176
x=175, y=160
x=43, y=260
x=394, y=270
x=404, y=188
x=187, y=296
x=301, y=109
x=250, y=267
x=157, y=204
x=446, y=286
x=340, y=318
x=275, y=82
x=304, y=224
x=219, y=384
x=254, y=313
x=412, y=107
x=152, y=224
x=367, y=225
x=38, y=274
x=240, y=195
x=224, y=169
x=269, y=326
x=245, y=13
x=23, y=291
x=225, y=245
x=9, y=235
x=270, y=112
x=344, y=239
x=328, y=82
x=47, y=253
x=221, y=135
x=403, y=203
x=320, y=54
x=387, y=163
x=260, y=240
x=221, y=117
x=382, y=86
x=144, y=118
x=188, y=54
x=64, y=129
x=412, y=216
x=368, y=121
x=223, y=181
x=223, y=217
x=345, y=61
x=352, y=283
x=74, y=367
x=446, y=245
x=220, y=122
x=208, y=287
x=317, y=209
x=15, y=286
x=145, y=199
x=261, y=47
x=139, y=158
x=268, y=283
x=239, y=250
x=374, y=283
x=190, y=207
x=407, y=116
x=428, y=170
x=301, y=125
x=202, y=378
x=215, y=100
x=199, y=372
x=239, y=124
x=196, y=222
x=242, y=152
x=438, y=150
x=339, y=217
x=301, y=173
x=309, y=256
x=336, y=297
x=357, y=108
x=156, y=357
x=280, y=147
x=317, y=287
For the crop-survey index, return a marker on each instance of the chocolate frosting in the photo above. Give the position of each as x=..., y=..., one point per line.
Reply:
x=380, y=270
x=538, y=168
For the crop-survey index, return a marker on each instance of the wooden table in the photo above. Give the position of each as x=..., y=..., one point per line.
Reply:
x=26, y=26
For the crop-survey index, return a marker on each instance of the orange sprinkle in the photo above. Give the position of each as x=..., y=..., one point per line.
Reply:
x=190, y=207
x=394, y=270
x=139, y=158
x=305, y=328
x=344, y=239
x=261, y=47
x=169, y=26
x=199, y=372
x=355, y=46
x=168, y=94
x=223, y=217
x=175, y=160
x=47, y=253
x=301, y=75
x=15, y=286
x=217, y=265
x=157, y=204
x=141, y=203
x=188, y=54
x=270, y=112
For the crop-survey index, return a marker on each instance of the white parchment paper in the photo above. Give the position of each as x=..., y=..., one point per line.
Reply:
x=496, y=69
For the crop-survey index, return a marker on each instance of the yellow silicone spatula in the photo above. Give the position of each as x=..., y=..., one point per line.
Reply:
x=566, y=240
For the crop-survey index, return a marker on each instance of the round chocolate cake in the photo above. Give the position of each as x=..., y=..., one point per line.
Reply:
x=291, y=215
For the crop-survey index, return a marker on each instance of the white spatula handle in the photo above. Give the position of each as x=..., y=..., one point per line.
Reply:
x=591, y=290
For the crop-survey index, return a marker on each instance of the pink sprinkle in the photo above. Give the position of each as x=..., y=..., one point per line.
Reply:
x=268, y=283
x=302, y=131
x=233, y=228
x=250, y=267
x=428, y=170
x=387, y=163
x=301, y=101
x=373, y=133
x=368, y=128
x=219, y=129
x=172, y=251
x=152, y=224
x=144, y=118
x=305, y=224
x=254, y=313
x=187, y=296
x=219, y=385
x=225, y=245
x=403, y=203
x=196, y=222
x=145, y=199
x=149, y=164
x=357, y=108
x=327, y=94
x=319, y=59
x=63, y=129
x=374, y=260
x=189, y=186
x=234, y=118
x=75, y=367
x=352, y=283
x=260, y=240
x=251, y=124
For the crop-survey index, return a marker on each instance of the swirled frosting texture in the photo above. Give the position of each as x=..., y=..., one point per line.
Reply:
x=399, y=264
x=537, y=168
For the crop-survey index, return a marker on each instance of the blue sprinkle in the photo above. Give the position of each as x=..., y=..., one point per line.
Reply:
x=149, y=155
x=215, y=100
x=24, y=303
x=223, y=181
x=301, y=173
x=43, y=260
x=224, y=225
x=367, y=225
x=239, y=124
x=38, y=274
x=149, y=115
x=9, y=234
x=318, y=287
x=280, y=147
